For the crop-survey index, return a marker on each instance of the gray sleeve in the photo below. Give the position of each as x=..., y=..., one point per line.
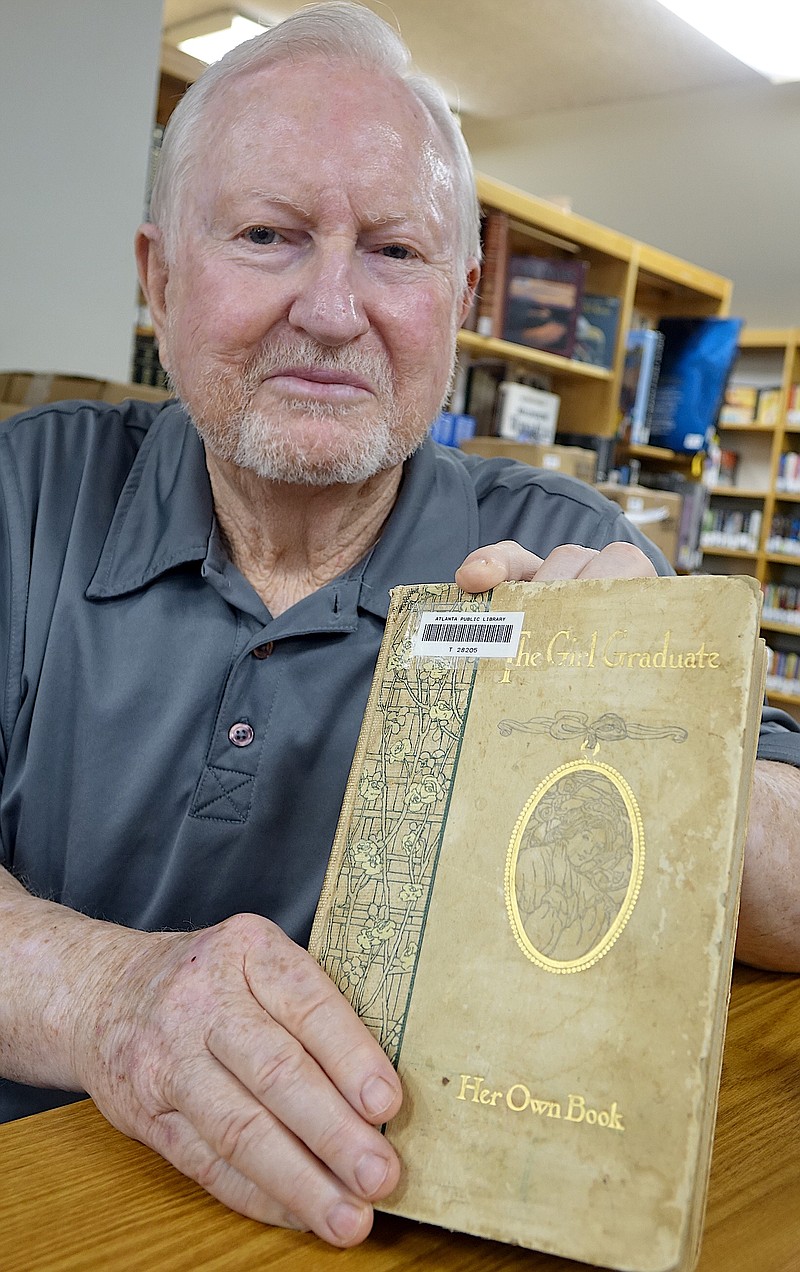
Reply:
x=779, y=737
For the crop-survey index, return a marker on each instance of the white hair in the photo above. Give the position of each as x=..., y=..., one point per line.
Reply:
x=343, y=32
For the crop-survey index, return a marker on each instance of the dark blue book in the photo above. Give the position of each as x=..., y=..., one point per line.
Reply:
x=696, y=361
x=596, y=330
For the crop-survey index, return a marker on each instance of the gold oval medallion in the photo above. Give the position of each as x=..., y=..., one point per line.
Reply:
x=574, y=866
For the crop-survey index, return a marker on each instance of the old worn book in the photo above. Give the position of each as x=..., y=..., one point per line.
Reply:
x=532, y=901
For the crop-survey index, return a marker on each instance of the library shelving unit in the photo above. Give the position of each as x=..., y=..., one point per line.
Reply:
x=648, y=283
x=769, y=358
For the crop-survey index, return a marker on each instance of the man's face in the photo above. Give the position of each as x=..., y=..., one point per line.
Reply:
x=314, y=295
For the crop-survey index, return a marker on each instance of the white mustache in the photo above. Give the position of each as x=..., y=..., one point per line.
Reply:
x=284, y=355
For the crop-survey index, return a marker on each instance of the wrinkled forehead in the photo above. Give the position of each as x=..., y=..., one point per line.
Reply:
x=318, y=124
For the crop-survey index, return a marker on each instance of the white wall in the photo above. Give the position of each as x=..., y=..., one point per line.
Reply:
x=77, y=98
x=711, y=176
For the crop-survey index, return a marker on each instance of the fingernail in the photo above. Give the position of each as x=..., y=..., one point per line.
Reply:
x=376, y=1095
x=345, y=1220
x=371, y=1173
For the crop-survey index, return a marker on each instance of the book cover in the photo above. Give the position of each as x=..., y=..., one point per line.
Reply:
x=532, y=895
x=596, y=330
x=643, y=350
x=696, y=362
x=543, y=300
x=739, y=404
x=527, y=414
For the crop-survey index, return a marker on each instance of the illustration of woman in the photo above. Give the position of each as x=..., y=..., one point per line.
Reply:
x=574, y=866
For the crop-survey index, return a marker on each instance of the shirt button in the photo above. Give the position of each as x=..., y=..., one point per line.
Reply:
x=241, y=734
x=263, y=651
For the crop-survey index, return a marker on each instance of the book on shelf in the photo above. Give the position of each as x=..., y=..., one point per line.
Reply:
x=720, y=467
x=527, y=414
x=491, y=296
x=734, y=529
x=451, y=428
x=532, y=896
x=784, y=535
x=596, y=330
x=482, y=392
x=696, y=363
x=781, y=604
x=793, y=405
x=639, y=379
x=783, y=672
x=788, y=477
x=695, y=504
x=146, y=367
x=768, y=411
x=739, y=404
x=543, y=300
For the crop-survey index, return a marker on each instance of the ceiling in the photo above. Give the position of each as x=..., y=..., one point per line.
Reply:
x=503, y=59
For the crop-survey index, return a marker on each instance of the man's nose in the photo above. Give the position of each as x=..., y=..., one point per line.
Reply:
x=328, y=305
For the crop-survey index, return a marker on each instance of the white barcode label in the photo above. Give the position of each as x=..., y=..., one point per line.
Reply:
x=468, y=634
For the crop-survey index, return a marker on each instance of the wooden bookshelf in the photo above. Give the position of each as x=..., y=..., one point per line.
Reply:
x=768, y=357
x=645, y=280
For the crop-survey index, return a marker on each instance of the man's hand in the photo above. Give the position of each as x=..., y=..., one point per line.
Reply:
x=228, y=1050
x=231, y=1053
x=509, y=562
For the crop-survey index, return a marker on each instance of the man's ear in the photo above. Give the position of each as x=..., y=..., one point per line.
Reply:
x=153, y=276
x=470, y=287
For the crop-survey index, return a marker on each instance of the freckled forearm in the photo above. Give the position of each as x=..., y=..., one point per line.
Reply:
x=52, y=961
x=769, y=921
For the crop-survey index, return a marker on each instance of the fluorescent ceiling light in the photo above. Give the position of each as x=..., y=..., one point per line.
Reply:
x=211, y=37
x=764, y=34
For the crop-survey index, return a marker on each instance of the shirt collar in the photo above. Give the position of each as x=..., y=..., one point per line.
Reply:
x=165, y=513
x=165, y=518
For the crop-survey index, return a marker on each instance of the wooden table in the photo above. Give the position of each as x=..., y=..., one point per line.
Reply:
x=76, y=1196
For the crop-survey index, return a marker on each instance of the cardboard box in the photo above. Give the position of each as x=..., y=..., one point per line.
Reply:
x=24, y=389
x=114, y=391
x=573, y=461
x=657, y=513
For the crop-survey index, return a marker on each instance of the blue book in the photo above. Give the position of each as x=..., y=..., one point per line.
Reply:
x=639, y=382
x=696, y=361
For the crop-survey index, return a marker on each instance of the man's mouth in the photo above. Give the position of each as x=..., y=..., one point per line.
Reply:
x=320, y=382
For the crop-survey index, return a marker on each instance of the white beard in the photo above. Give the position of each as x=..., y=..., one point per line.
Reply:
x=270, y=444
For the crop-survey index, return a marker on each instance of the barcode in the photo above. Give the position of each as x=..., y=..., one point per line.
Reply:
x=461, y=633
x=477, y=634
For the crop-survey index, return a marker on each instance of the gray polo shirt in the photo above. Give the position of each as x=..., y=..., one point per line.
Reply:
x=170, y=753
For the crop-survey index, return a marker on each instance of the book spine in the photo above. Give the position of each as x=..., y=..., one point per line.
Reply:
x=491, y=298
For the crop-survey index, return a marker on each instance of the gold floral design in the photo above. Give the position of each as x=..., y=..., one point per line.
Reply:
x=397, y=820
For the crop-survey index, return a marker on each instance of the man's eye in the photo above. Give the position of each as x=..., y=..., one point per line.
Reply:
x=262, y=235
x=397, y=252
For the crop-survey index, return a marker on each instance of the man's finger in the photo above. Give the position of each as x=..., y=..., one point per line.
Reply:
x=618, y=561
x=288, y=1082
x=497, y=563
x=247, y=1137
x=569, y=561
x=332, y=1214
x=311, y=1009
x=508, y=561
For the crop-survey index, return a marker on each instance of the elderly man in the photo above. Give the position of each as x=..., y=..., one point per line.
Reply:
x=192, y=603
